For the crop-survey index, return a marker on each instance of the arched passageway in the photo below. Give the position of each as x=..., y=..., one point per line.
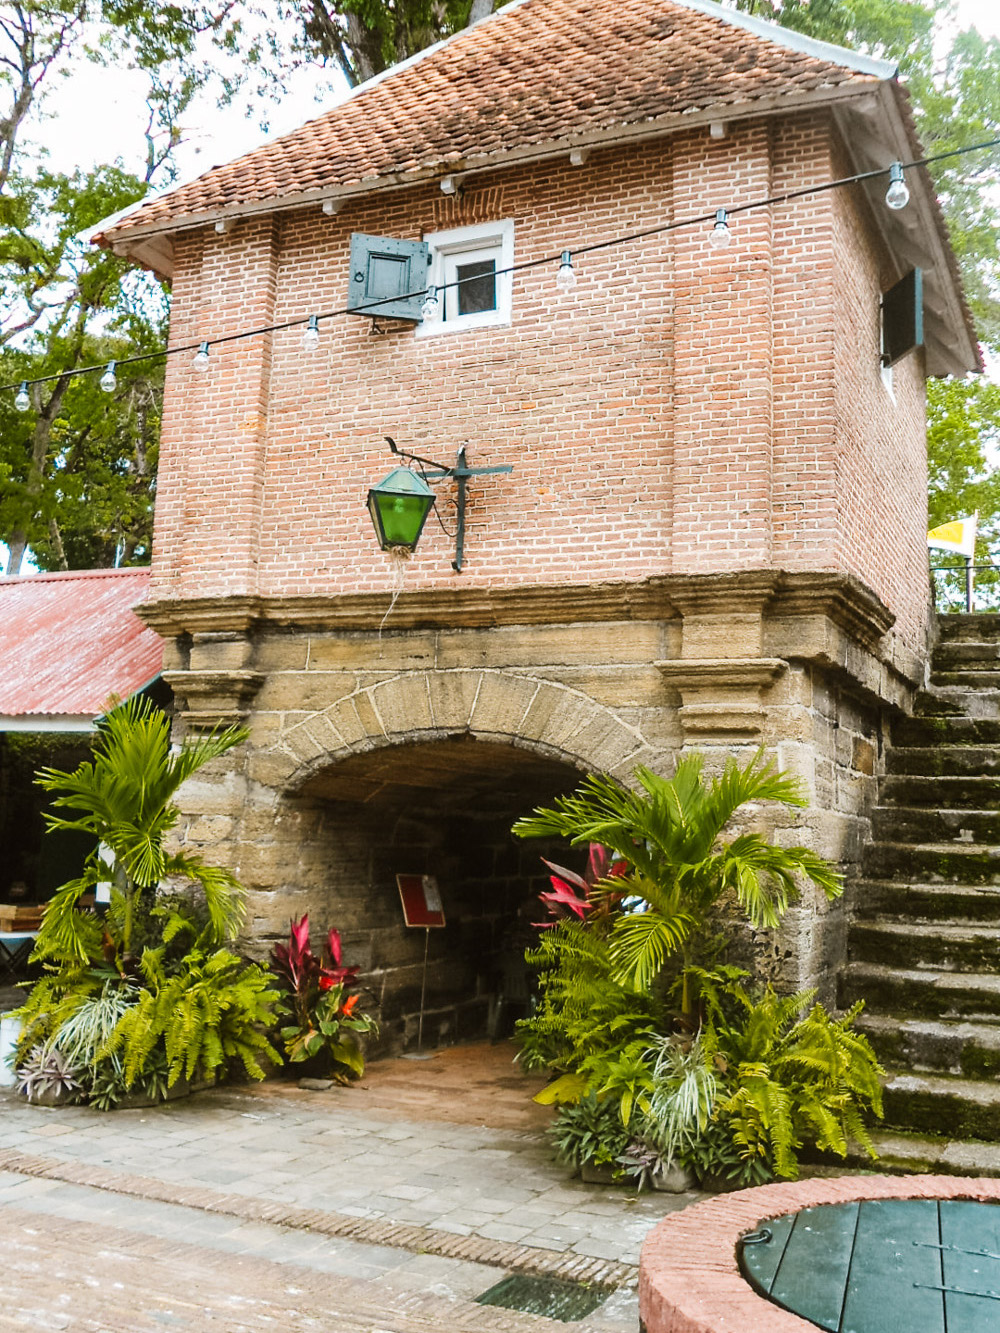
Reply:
x=442, y=808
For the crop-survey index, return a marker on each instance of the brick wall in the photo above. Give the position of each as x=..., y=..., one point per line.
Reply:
x=682, y=410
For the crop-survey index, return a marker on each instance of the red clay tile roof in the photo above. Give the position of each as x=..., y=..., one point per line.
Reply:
x=536, y=71
x=69, y=641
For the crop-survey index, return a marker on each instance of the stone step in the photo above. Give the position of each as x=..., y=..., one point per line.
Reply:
x=979, y=628
x=932, y=1155
x=966, y=996
x=900, y=823
x=879, y=898
x=927, y=704
x=983, y=703
x=947, y=730
x=934, y=1046
x=933, y=862
x=943, y=760
x=959, y=655
x=941, y=1103
x=936, y=793
x=979, y=679
x=925, y=946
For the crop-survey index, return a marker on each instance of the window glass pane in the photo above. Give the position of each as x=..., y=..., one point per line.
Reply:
x=477, y=290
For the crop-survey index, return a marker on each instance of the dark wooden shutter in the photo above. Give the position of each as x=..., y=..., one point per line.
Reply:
x=384, y=273
x=903, y=317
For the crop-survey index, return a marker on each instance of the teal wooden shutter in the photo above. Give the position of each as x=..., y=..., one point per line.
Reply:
x=388, y=277
x=903, y=317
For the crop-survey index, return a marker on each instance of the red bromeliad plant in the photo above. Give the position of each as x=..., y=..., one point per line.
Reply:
x=578, y=897
x=323, y=1017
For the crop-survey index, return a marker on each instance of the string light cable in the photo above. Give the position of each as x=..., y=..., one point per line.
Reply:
x=719, y=218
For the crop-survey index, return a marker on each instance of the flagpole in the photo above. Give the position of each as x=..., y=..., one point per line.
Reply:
x=968, y=584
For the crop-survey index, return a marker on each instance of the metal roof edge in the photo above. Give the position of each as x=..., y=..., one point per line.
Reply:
x=795, y=41
x=68, y=575
x=58, y=722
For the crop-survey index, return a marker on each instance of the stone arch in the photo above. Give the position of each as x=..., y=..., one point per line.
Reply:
x=552, y=719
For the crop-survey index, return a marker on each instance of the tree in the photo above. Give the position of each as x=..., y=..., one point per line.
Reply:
x=78, y=473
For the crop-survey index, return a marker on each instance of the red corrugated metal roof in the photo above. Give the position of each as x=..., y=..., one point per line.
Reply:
x=70, y=641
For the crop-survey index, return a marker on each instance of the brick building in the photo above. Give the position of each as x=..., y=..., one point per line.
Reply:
x=713, y=533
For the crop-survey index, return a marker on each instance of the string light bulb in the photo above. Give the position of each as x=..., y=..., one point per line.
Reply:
x=431, y=308
x=200, y=359
x=898, y=194
x=720, y=236
x=310, y=339
x=566, y=277
x=109, y=380
x=22, y=402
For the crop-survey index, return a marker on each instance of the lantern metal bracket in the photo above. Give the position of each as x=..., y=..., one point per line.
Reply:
x=461, y=472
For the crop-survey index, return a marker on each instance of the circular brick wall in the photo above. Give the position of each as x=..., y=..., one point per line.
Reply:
x=689, y=1279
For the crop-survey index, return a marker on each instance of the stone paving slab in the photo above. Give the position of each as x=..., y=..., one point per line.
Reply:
x=353, y=1186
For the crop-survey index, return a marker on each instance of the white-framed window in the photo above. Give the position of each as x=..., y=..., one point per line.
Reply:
x=467, y=268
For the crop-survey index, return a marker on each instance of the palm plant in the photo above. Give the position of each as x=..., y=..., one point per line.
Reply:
x=125, y=799
x=670, y=833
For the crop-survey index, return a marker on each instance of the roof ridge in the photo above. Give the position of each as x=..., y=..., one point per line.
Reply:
x=795, y=41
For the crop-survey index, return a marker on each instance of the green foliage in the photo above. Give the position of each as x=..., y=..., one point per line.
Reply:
x=963, y=434
x=669, y=831
x=149, y=993
x=582, y=1010
x=791, y=1078
x=124, y=799
x=589, y=1131
x=206, y=1014
x=738, y=1082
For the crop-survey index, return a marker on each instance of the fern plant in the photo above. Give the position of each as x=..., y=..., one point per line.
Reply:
x=793, y=1075
x=212, y=1011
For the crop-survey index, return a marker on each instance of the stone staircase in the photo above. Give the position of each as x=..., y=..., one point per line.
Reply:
x=924, y=943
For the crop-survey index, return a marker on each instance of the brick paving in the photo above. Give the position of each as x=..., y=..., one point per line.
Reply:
x=384, y=1207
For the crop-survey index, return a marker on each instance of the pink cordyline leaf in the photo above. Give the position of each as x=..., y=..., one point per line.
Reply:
x=300, y=935
x=567, y=876
x=333, y=944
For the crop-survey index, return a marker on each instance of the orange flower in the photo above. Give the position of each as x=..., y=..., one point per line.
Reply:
x=347, y=1008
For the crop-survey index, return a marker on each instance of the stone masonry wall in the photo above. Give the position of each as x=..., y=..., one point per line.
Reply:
x=415, y=750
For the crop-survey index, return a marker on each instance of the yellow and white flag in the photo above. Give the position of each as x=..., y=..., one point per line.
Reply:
x=959, y=535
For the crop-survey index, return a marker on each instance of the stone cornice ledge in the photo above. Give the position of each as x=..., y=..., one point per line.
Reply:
x=725, y=671
x=843, y=598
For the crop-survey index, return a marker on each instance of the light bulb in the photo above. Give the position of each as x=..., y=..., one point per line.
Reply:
x=22, y=402
x=720, y=235
x=310, y=339
x=200, y=359
x=431, y=308
x=566, y=277
x=109, y=380
x=898, y=194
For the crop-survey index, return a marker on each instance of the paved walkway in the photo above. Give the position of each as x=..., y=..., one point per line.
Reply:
x=386, y=1207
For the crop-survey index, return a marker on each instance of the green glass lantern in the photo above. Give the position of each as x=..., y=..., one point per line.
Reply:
x=399, y=506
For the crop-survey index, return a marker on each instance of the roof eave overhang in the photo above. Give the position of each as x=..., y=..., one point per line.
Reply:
x=875, y=129
x=150, y=244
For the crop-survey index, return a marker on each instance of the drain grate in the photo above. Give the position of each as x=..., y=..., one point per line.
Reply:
x=548, y=1296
